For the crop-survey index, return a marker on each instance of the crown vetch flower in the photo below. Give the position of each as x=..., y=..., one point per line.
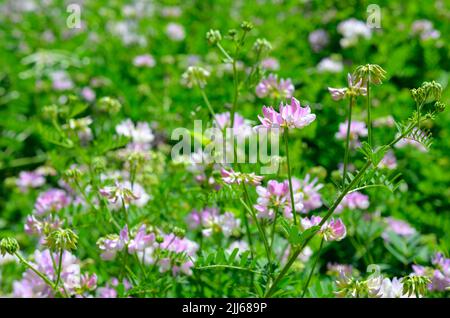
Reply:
x=274, y=88
x=276, y=197
x=355, y=88
x=332, y=230
x=289, y=116
x=232, y=177
x=311, y=197
x=52, y=200
x=29, y=179
x=357, y=129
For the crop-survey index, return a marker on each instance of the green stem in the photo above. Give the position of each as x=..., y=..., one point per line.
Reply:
x=19, y=162
x=260, y=229
x=58, y=274
x=312, y=269
x=37, y=272
x=347, y=140
x=249, y=235
x=272, y=236
x=208, y=104
x=286, y=144
x=325, y=218
x=369, y=115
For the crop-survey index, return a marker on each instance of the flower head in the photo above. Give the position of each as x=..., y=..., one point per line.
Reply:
x=52, y=200
x=274, y=88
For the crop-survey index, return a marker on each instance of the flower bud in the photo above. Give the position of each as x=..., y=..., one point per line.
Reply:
x=246, y=26
x=262, y=46
x=195, y=75
x=9, y=245
x=159, y=239
x=99, y=164
x=213, y=37
x=374, y=72
x=62, y=239
x=109, y=105
x=50, y=111
x=439, y=106
x=179, y=232
x=415, y=285
x=72, y=174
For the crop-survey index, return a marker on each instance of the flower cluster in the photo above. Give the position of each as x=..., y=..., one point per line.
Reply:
x=354, y=88
x=275, y=198
x=232, y=177
x=211, y=222
x=30, y=179
x=439, y=274
x=289, y=116
x=310, y=190
x=331, y=230
x=140, y=134
x=31, y=285
x=51, y=201
x=354, y=200
x=352, y=30
x=274, y=88
x=357, y=129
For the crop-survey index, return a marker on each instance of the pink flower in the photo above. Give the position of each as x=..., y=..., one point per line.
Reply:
x=145, y=60
x=29, y=179
x=212, y=222
x=270, y=64
x=276, y=197
x=141, y=240
x=354, y=200
x=241, y=127
x=353, y=89
x=310, y=222
x=295, y=116
x=31, y=285
x=273, y=88
x=357, y=129
x=52, y=200
x=271, y=118
x=389, y=161
x=290, y=116
x=332, y=230
x=311, y=197
x=335, y=230
x=88, y=94
x=175, y=32
x=399, y=227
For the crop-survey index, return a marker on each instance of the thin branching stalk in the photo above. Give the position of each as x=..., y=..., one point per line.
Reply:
x=36, y=271
x=313, y=268
x=286, y=143
x=58, y=273
x=369, y=111
x=347, y=139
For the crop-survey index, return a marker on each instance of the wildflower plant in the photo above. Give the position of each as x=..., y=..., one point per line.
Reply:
x=107, y=213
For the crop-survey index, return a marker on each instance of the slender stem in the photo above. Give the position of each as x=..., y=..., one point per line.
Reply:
x=19, y=162
x=369, y=115
x=325, y=218
x=58, y=274
x=347, y=140
x=312, y=269
x=272, y=235
x=260, y=230
x=249, y=235
x=208, y=104
x=227, y=266
x=286, y=143
x=224, y=52
x=37, y=272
